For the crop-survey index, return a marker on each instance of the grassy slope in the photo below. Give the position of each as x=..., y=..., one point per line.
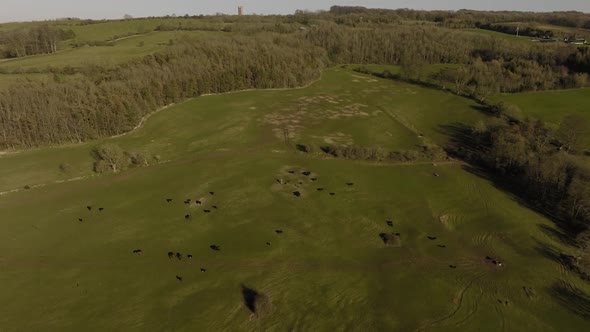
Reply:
x=328, y=270
x=509, y=37
x=124, y=50
x=551, y=106
x=390, y=105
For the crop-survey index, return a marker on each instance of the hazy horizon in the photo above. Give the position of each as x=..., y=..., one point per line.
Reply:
x=34, y=10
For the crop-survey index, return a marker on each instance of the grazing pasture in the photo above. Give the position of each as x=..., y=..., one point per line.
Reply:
x=399, y=246
x=551, y=106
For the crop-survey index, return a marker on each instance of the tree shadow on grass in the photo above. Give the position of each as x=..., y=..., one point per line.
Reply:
x=572, y=298
x=256, y=302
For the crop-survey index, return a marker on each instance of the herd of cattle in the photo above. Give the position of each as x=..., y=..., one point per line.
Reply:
x=386, y=237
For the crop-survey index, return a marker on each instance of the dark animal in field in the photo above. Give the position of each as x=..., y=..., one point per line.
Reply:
x=179, y=256
x=80, y=219
x=188, y=201
x=138, y=251
x=170, y=254
x=268, y=243
x=198, y=202
x=189, y=256
x=297, y=194
x=278, y=231
x=169, y=200
x=89, y=208
x=390, y=223
x=187, y=217
x=100, y=209
x=178, y=278
x=212, y=193
x=397, y=234
x=390, y=240
x=215, y=207
x=291, y=172
x=320, y=189
x=436, y=174
x=442, y=246
x=432, y=238
x=314, y=179
x=332, y=194
x=453, y=266
x=207, y=211
x=203, y=270
x=489, y=258
x=306, y=173
x=215, y=247
x=350, y=184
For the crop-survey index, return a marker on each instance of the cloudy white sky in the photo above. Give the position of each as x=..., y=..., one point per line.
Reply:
x=20, y=10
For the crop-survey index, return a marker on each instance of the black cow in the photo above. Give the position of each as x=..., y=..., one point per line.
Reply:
x=215, y=247
x=169, y=200
x=187, y=217
x=80, y=219
x=170, y=254
x=89, y=208
x=398, y=234
x=188, y=201
x=278, y=231
x=179, y=256
x=350, y=184
x=268, y=243
x=214, y=206
x=203, y=270
x=390, y=223
x=198, y=202
x=320, y=189
x=178, y=278
x=442, y=246
x=207, y=211
x=189, y=256
x=138, y=251
x=212, y=193
x=453, y=266
x=314, y=179
x=297, y=194
x=306, y=173
x=432, y=238
x=100, y=209
x=291, y=172
x=332, y=194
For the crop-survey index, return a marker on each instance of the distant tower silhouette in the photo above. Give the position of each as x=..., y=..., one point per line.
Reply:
x=240, y=10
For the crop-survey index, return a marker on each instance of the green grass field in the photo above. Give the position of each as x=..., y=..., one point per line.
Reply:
x=328, y=270
x=551, y=106
x=505, y=36
x=123, y=50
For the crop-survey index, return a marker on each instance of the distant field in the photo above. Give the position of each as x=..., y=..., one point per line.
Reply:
x=509, y=37
x=316, y=262
x=123, y=50
x=551, y=106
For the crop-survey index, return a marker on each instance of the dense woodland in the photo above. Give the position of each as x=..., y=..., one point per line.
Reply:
x=108, y=102
x=42, y=39
x=274, y=51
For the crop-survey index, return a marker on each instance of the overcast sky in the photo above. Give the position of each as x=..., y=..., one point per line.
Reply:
x=24, y=10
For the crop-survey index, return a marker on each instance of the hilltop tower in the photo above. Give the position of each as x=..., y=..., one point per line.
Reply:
x=241, y=10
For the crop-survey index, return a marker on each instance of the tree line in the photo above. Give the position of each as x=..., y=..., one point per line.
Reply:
x=42, y=39
x=106, y=102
